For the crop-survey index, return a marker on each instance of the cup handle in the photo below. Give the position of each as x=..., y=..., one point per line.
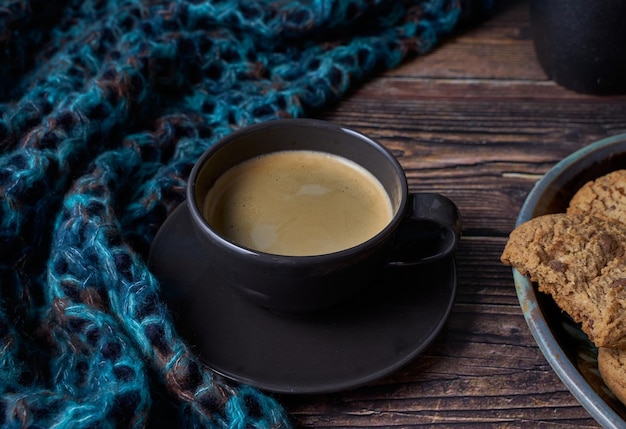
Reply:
x=430, y=231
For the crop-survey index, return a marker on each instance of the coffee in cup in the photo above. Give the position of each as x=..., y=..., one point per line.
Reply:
x=414, y=228
x=298, y=203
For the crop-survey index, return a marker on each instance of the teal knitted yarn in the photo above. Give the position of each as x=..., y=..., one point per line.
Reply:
x=105, y=105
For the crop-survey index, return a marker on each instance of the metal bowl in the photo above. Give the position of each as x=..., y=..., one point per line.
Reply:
x=568, y=350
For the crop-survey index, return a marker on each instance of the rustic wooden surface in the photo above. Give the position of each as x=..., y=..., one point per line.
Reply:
x=476, y=120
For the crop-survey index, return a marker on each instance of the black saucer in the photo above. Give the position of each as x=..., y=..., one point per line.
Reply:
x=336, y=350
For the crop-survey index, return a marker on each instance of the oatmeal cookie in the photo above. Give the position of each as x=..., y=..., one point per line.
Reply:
x=612, y=367
x=580, y=261
x=604, y=197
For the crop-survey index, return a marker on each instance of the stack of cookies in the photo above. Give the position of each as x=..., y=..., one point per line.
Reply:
x=579, y=258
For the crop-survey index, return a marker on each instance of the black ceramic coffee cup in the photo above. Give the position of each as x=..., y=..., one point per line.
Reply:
x=423, y=228
x=581, y=44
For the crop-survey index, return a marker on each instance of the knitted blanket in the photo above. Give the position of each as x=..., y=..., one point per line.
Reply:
x=104, y=107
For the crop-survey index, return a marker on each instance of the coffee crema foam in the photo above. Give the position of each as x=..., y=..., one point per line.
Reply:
x=298, y=203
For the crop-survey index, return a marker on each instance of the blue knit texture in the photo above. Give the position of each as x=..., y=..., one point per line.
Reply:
x=104, y=107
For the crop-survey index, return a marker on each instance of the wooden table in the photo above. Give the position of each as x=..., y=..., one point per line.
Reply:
x=478, y=121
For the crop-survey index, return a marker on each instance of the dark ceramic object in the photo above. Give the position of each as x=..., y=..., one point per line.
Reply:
x=430, y=222
x=385, y=327
x=567, y=349
x=581, y=44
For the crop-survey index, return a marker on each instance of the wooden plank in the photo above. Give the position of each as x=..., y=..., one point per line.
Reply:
x=426, y=89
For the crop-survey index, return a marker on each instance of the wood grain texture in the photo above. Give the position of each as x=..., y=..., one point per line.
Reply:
x=476, y=120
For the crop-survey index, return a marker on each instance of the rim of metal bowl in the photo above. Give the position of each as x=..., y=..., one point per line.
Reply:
x=527, y=296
